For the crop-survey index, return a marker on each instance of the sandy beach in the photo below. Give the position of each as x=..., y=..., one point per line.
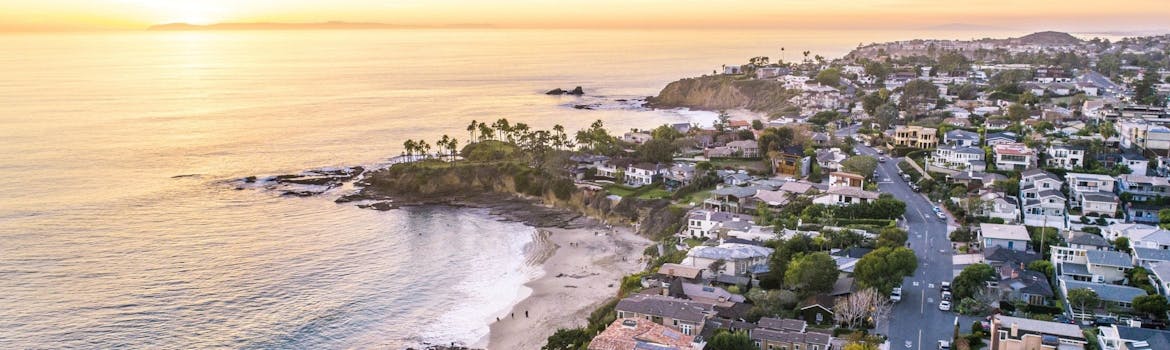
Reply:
x=583, y=268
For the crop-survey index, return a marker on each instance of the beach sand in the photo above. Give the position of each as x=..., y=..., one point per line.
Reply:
x=582, y=270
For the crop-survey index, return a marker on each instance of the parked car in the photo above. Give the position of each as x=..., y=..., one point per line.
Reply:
x=946, y=286
x=1104, y=321
x=896, y=295
x=944, y=345
x=946, y=296
x=944, y=305
x=941, y=215
x=882, y=160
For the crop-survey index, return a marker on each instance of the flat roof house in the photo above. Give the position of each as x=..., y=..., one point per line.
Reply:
x=1014, y=333
x=1013, y=237
x=1014, y=156
x=915, y=137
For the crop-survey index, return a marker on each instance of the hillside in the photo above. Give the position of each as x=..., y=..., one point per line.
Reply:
x=1050, y=38
x=722, y=92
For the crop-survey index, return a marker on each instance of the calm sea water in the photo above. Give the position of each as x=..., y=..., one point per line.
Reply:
x=117, y=230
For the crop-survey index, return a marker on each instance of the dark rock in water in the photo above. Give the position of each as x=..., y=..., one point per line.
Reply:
x=583, y=107
x=621, y=100
x=577, y=91
x=349, y=198
x=313, y=180
x=300, y=193
x=379, y=206
x=556, y=91
x=239, y=188
x=250, y=179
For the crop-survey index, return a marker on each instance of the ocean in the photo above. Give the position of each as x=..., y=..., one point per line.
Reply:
x=119, y=227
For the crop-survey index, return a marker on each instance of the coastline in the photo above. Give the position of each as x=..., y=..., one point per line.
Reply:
x=582, y=267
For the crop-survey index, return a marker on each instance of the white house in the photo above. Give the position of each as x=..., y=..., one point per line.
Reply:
x=1014, y=237
x=1041, y=202
x=845, y=196
x=1098, y=186
x=1143, y=188
x=642, y=174
x=997, y=205
x=1014, y=156
x=1066, y=157
x=738, y=259
x=951, y=158
x=746, y=148
x=998, y=138
x=706, y=223
x=961, y=138
x=636, y=137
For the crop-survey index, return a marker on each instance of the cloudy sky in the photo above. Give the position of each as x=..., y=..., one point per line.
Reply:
x=1068, y=15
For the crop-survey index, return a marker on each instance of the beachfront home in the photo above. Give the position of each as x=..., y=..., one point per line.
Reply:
x=1014, y=156
x=684, y=316
x=706, y=223
x=1013, y=237
x=915, y=137
x=634, y=334
x=733, y=259
x=637, y=137
x=745, y=148
x=790, y=161
x=642, y=174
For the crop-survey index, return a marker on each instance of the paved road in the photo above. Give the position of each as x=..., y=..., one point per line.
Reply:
x=917, y=318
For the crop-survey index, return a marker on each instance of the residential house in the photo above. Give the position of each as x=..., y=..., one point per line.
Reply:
x=642, y=174
x=1143, y=188
x=634, y=333
x=953, y=158
x=915, y=137
x=837, y=179
x=1143, y=213
x=1115, y=337
x=821, y=139
x=1160, y=277
x=1013, y=237
x=733, y=199
x=705, y=223
x=773, y=334
x=790, y=161
x=845, y=196
x=609, y=170
x=1066, y=157
x=999, y=205
x=830, y=158
x=679, y=175
x=1108, y=266
x=745, y=148
x=682, y=272
x=732, y=69
x=1136, y=162
x=818, y=309
x=960, y=137
x=1017, y=283
x=1080, y=185
x=1111, y=295
x=739, y=124
x=637, y=137
x=1072, y=260
x=996, y=124
x=1014, y=156
x=771, y=72
x=1144, y=135
x=1132, y=231
x=973, y=179
x=1041, y=202
x=1102, y=204
x=999, y=138
x=1014, y=333
x=684, y=316
x=737, y=259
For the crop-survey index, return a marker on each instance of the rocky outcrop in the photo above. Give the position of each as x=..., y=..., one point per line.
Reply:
x=577, y=91
x=305, y=184
x=719, y=92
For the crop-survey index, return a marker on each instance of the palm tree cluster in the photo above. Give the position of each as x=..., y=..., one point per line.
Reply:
x=446, y=148
x=520, y=134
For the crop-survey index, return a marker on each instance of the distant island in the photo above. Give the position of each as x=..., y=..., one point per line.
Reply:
x=302, y=26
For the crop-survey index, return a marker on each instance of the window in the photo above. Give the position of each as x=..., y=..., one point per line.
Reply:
x=1003, y=335
x=685, y=328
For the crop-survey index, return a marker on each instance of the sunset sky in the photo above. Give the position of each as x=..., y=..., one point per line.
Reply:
x=1071, y=15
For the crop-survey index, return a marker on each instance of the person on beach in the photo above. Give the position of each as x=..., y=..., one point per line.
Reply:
x=525, y=313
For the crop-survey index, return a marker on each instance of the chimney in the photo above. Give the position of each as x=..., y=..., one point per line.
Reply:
x=1015, y=330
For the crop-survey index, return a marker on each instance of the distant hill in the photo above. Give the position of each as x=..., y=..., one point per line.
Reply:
x=1050, y=38
x=299, y=26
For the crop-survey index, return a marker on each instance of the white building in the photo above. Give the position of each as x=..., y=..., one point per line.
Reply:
x=1014, y=156
x=951, y=158
x=1066, y=157
x=737, y=259
x=845, y=196
x=1014, y=237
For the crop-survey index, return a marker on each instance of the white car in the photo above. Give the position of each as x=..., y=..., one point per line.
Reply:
x=896, y=296
x=944, y=305
x=944, y=345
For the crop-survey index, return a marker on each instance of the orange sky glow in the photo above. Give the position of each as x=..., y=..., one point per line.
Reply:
x=1070, y=15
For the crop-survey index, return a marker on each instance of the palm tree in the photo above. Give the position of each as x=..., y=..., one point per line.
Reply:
x=471, y=129
x=441, y=144
x=451, y=147
x=561, y=138
x=485, y=132
x=502, y=127
x=425, y=148
x=409, y=145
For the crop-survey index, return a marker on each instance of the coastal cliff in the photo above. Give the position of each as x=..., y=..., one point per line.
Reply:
x=723, y=92
x=514, y=191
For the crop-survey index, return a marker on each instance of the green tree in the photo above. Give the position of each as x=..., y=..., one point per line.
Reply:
x=782, y=254
x=886, y=115
x=1154, y=305
x=1044, y=267
x=884, y=268
x=812, y=273
x=1145, y=90
x=1083, y=298
x=891, y=237
x=971, y=280
x=731, y=341
x=829, y=77
x=757, y=125
x=823, y=118
x=860, y=165
x=1164, y=218
x=918, y=92
x=657, y=151
x=967, y=92
x=775, y=139
x=568, y=339
x=1121, y=244
x=1017, y=113
x=665, y=132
